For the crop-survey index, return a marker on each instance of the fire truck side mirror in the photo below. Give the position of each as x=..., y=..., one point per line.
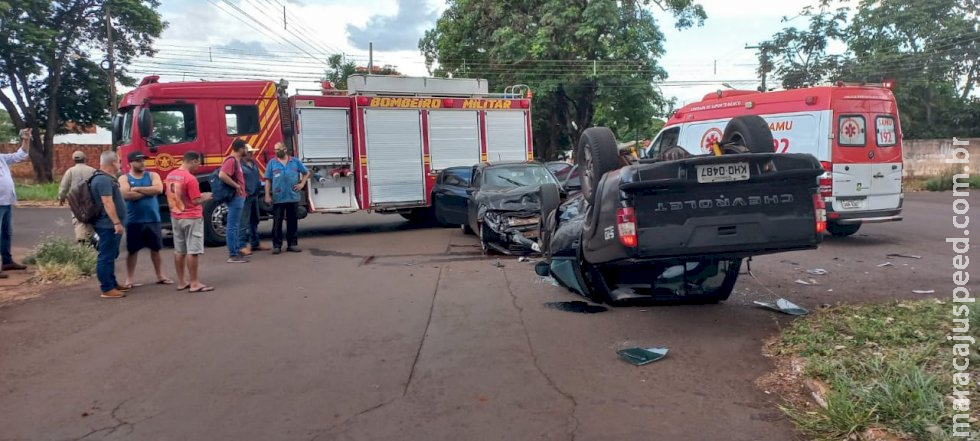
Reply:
x=144, y=122
x=116, y=127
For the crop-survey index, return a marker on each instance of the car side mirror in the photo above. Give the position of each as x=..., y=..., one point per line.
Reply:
x=144, y=122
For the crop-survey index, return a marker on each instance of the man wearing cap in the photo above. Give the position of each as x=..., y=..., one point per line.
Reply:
x=249, y=235
x=285, y=178
x=231, y=174
x=140, y=189
x=77, y=174
x=7, y=200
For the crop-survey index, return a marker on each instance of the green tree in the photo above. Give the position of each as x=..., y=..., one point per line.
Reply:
x=799, y=56
x=7, y=130
x=928, y=49
x=340, y=69
x=586, y=61
x=46, y=76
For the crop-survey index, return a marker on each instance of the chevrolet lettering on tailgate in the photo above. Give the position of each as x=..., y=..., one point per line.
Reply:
x=723, y=202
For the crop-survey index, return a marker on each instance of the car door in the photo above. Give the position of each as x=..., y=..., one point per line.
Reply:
x=450, y=197
x=471, y=206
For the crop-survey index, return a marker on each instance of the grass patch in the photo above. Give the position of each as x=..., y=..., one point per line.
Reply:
x=62, y=260
x=887, y=365
x=944, y=182
x=37, y=192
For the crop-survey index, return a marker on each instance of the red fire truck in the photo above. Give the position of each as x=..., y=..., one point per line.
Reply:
x=377, y=146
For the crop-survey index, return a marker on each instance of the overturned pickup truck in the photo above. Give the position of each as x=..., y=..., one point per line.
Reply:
x=677, y=227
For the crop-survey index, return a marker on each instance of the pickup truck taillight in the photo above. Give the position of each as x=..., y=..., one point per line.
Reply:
x=626, y=226
x=820, y=213
x=826, y=180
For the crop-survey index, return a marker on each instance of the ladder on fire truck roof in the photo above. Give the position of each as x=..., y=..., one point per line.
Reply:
x=372, y=85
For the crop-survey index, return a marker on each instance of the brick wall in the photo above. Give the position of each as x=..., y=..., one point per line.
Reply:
x=62, y=159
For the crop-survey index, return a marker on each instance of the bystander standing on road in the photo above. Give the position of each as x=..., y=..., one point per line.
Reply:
x=184, y=198
x=109, y=224
x=250, y=214
x=231, y=174
x=285, y=178
x=8, y=197
x=74, y=176
x=140, y=189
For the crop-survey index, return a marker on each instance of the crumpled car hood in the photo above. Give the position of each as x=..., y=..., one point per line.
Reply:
x=521, y=199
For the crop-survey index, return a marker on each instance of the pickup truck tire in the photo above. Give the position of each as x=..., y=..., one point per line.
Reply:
x=215, y=219
x=842, y=230
x=597, y=154
x=750, y=131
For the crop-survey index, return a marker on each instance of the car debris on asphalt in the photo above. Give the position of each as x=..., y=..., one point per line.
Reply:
x=805, y=282
x=907, y=256
x=784, y=306
x=817, y=271
x=497, y=264
x=576, y=306
x=642, y=356
x=923, y=291
x=885, y=264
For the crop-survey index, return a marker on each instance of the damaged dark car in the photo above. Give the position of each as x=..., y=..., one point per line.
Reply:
x=677, y=228
x=503, y=205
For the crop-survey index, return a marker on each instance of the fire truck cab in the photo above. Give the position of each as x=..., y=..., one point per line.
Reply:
x=375, y=147
x=853, y=131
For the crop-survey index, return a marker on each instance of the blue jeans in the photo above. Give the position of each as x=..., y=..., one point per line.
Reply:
x=6, y=232
x=105, y=267
x=233, y=225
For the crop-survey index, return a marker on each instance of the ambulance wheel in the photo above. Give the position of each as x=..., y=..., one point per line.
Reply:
x=215, y=219
x=840, y=230
x=750, y=131
x=597, y=154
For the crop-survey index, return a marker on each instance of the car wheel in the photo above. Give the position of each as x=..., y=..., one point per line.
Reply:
x=484, y=235
x=215, y=219
x=750, y=131
x=840, y=230
x=597, y=154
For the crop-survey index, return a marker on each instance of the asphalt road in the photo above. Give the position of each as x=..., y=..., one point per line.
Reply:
x=426, y=340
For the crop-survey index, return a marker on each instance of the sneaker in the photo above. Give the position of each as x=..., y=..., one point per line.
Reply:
x=276, y=250
x=237, y=259
x=294, y=249
x=113, y=294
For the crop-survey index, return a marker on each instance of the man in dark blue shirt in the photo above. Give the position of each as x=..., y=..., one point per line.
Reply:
x=285, y=178
x=249, y=236
x=109, y=224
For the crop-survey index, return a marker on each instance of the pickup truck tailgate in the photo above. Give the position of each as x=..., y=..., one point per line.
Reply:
x=728, y=206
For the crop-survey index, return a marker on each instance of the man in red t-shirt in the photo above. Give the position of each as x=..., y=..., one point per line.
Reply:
x=185, y=198
x=231, y=174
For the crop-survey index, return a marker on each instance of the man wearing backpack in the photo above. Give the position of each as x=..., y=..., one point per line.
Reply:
x=74, y=176
x=232, y=176
x=109, y=223
x=7, y=200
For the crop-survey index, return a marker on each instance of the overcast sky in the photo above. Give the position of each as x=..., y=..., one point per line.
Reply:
x=214, y=40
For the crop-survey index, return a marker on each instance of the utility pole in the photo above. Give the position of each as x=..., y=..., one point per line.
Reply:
x=112, y=61
x=370, y=58
x=762, y=67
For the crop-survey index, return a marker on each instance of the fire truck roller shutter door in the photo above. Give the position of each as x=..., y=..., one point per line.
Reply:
x=454, y=138
x=506, y=135
x=325, y=134
x=394, y=150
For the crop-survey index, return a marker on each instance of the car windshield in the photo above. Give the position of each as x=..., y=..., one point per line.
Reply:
x=518, y=176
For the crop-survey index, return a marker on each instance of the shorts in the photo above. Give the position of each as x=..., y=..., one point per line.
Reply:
x=143, y=235
x=188, y=236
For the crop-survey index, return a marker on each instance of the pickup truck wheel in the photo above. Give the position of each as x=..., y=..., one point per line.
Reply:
x=215, y=219
x=750, y=131
x=597, y=154
x=840, y=230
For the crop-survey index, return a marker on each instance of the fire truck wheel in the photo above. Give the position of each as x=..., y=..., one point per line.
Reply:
x=215, y=216
x=842, y=230
x=750, y=131
x=597, y=154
